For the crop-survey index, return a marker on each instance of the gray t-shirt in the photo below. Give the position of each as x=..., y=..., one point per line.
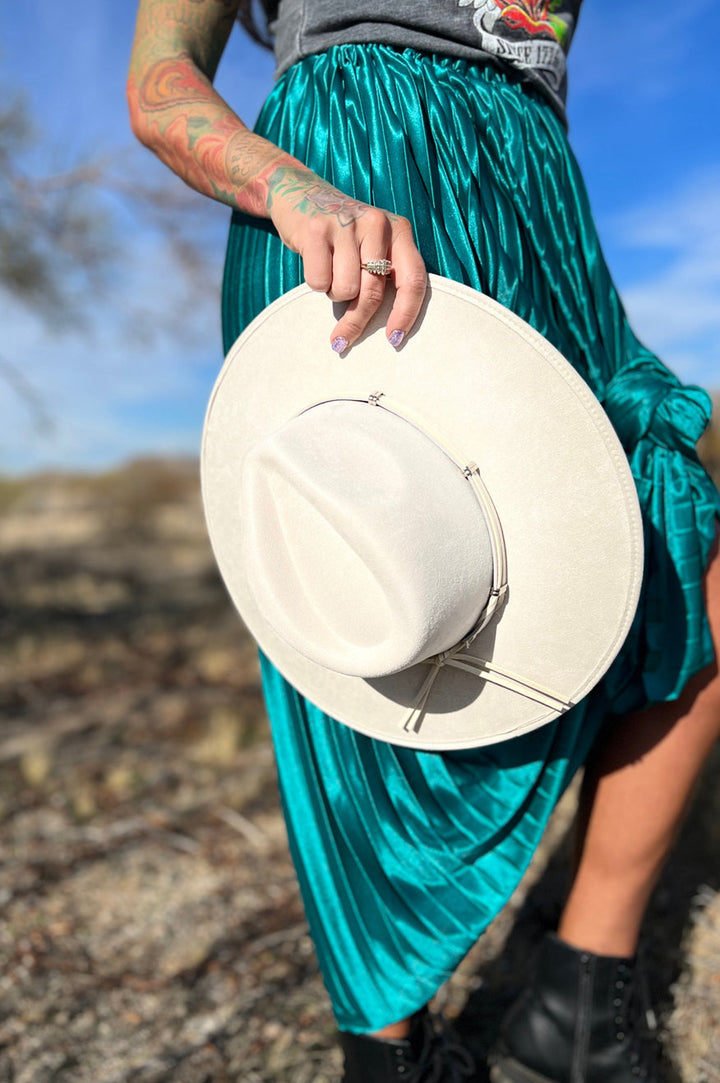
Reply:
x=530, y=36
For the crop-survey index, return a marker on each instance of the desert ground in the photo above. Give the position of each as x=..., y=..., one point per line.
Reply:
x=151, y=926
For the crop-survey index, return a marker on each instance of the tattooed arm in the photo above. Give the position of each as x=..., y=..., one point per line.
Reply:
x=176, y=112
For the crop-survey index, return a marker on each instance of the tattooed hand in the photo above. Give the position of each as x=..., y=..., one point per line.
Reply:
x=334, y=234
x=175, y=110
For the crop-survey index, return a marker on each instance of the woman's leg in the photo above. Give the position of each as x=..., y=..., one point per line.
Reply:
x=576, y=1019
x=637, y=786
x=401, y=1029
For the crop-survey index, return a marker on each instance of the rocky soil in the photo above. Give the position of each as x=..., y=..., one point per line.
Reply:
x=151, y=929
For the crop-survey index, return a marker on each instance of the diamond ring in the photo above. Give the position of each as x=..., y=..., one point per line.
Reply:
x=377, y=266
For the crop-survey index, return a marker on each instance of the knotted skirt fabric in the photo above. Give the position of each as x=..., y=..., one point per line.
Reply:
x=404, y=857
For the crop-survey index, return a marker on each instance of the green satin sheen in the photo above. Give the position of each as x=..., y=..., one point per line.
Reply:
x=404, y=857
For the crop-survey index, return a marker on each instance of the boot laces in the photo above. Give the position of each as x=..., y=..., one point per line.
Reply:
x=642, y=1028
x=443, y=1059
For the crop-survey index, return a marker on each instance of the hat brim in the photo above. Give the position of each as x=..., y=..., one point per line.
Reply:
x=505, y=399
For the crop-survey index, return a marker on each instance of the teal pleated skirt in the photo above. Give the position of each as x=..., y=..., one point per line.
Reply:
x=404, y=857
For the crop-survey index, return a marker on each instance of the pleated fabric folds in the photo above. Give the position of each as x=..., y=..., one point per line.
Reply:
x=404, y=857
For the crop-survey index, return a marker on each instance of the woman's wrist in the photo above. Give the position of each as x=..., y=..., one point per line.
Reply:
x=254, y=166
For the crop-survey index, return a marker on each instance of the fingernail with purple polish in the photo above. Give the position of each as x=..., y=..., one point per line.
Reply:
x=339, y=344
x=396, y=338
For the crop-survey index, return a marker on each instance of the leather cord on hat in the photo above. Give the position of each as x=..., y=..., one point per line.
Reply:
x=486, y=671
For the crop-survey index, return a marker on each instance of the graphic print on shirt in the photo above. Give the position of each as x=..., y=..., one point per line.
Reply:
x=525, y=33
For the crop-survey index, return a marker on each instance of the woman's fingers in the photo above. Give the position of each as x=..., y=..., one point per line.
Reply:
x=346, y=276
x=333, y=247
x=410, y=278
x=389, y=237
x=359, y=312
x=318, y=264
x=371, y=239
x=368, y=298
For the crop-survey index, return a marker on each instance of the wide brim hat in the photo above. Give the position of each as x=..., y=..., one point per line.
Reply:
x=334, y=493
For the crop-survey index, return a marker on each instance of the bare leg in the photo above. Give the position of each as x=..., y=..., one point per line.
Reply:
x=637, y=786
x=401, y=1029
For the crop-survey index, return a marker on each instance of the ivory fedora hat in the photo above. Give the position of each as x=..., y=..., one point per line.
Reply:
x=440, y=547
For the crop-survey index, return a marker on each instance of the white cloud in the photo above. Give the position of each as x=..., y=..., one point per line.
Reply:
x=675, y=308
x=690, y=216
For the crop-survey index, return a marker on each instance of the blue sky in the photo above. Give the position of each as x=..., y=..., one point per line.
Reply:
x=643, y=110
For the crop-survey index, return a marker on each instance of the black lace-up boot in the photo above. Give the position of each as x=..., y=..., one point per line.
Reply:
x=583, y=1019
x=427, y=1055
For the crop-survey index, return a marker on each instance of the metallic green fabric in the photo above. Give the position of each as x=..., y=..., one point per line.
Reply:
x=404, y=857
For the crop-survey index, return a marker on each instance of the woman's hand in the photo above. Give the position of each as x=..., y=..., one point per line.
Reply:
x=334, y=234
x=175, y=110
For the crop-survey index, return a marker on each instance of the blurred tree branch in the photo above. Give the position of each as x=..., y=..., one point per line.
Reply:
x=22, y=387
x=66, y=236
x=58, y=234
x=51, y=240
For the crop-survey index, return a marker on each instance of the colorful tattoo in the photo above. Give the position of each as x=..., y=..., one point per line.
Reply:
x=171, y=84
x=313, y=197
x=203, y=25
x=177, y=48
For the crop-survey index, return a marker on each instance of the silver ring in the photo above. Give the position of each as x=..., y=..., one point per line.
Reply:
x=377, y=266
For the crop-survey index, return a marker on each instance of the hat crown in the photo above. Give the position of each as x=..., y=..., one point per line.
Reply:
x=362, y=541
